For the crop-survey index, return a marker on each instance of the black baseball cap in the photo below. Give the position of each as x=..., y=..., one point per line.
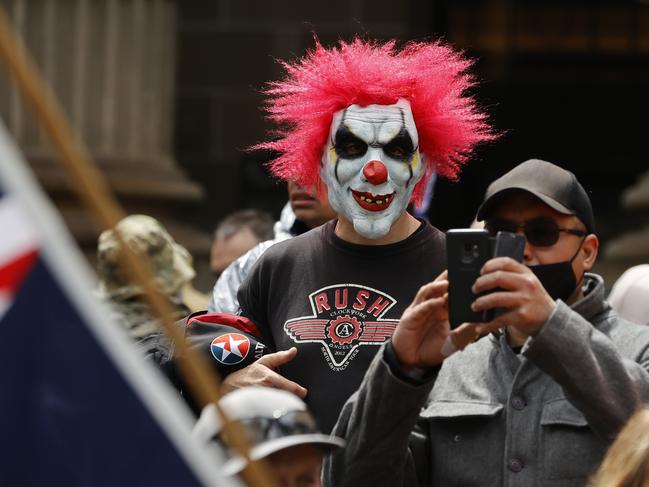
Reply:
x=554, y=186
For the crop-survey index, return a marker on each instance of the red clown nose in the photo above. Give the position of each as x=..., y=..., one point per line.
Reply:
x=375, y=172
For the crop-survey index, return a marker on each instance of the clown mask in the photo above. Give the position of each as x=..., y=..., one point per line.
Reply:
x=371, y=165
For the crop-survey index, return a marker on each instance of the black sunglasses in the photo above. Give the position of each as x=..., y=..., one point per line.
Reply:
x=540, y=232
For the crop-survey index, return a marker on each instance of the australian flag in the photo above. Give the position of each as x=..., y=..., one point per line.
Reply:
x=78, y=405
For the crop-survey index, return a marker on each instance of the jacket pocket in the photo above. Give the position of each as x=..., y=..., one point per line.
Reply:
x=460, y=409
x=467, y=445
x=569, y=448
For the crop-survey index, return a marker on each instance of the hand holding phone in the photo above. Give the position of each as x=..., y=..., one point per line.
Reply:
x=507, y=244
x=467, y=251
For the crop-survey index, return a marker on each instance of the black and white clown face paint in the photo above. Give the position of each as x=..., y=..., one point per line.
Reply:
x=371, y=165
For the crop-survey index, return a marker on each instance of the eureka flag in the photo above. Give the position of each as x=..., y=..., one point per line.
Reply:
x=78, y=405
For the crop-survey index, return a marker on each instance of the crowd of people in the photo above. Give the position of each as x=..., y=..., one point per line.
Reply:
x=331, y=327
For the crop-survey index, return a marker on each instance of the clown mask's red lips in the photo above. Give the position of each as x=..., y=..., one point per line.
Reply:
x=372, y=202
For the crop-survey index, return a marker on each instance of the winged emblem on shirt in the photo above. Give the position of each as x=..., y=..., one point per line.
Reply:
x=344, y=317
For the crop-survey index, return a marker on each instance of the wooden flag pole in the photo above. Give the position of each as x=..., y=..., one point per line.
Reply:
x=93, y=190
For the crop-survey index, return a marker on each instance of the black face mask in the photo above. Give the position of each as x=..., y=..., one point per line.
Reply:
x=558, y=279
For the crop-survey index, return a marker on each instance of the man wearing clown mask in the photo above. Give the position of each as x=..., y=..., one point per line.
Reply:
x=372, y=123
x=371, y=167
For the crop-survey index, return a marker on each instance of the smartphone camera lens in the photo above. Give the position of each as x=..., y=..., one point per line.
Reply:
x=470, y=252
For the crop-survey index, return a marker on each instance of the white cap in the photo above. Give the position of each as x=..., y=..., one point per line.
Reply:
x=629, y=294
x=258, y=403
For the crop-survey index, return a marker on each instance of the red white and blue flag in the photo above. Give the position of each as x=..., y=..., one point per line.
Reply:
x=18, y=249
x=79, y=406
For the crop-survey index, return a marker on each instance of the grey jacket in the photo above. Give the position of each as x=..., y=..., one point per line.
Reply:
x=490, y=417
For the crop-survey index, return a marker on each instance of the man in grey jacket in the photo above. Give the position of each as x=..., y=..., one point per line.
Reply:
x=538, y=399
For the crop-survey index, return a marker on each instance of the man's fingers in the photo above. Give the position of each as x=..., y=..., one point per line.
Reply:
x=505, y=299
x=503, y=321
x=498, y=279
x=497, y=324
x=433, y=289
x=442, y=277
x=277, y=359
x=433, y=307
x=503, y=264
x=266, y=375
x=273, y=379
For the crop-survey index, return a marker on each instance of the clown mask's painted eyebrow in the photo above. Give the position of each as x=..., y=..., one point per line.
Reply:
x=375, y=125
x=374, y=114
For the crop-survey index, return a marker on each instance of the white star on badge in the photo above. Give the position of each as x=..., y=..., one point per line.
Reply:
x=233, y=346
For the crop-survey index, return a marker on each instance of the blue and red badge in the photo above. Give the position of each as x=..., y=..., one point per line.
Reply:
x=230, y=348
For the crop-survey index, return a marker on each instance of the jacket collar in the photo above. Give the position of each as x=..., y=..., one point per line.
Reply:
x=593, y=302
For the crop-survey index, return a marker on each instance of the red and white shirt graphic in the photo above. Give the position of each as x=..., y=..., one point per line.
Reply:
x=344, y=317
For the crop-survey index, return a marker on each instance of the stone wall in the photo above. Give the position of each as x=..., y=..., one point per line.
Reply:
x=111, y=65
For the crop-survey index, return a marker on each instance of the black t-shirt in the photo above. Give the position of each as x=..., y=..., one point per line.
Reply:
x=337, y=302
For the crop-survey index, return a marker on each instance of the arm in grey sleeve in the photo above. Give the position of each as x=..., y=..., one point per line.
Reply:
x=224, y=294
x=606, y=387
x=384, y=447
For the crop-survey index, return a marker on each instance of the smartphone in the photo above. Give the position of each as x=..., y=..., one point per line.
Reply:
x=506, y=244
x=467, y=251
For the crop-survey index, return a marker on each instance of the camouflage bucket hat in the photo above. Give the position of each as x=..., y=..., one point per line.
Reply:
x=170, y=263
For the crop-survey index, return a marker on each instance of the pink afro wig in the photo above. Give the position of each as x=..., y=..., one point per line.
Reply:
x=431, y=76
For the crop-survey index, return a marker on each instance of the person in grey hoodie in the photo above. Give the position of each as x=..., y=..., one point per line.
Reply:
x=539, y=398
